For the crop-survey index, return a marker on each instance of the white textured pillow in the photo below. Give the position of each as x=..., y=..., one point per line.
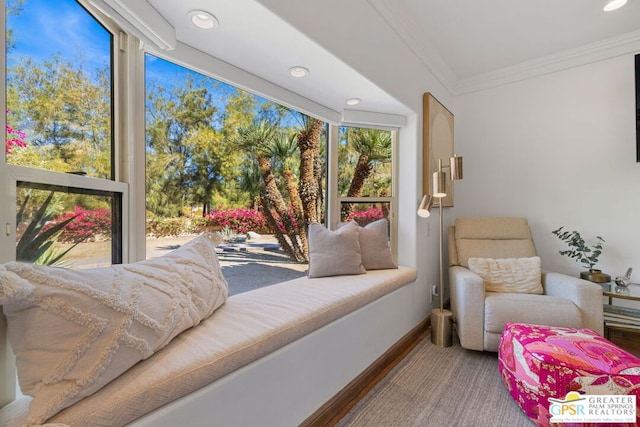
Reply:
x=73, y=331
x=333, y=253
x=513, y=275
x=374, y=245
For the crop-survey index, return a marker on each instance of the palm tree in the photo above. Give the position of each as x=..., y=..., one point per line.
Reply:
x=257, y=139
x=250, y=183
x=310, y=166
x=373, y=147
x=282, y=150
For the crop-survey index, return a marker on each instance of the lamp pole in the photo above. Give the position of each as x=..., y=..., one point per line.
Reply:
x=441, y=319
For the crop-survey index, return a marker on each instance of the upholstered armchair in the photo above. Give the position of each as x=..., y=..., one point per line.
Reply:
x=480, y=316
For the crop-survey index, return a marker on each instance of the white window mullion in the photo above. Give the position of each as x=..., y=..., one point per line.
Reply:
x=333, y=202
x=394, y=192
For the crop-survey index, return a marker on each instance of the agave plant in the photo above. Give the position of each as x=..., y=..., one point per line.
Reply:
x=36, y=244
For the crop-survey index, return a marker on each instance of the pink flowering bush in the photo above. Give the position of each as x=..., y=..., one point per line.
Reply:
x=85, y=224
x=15, y=138
x=367, y=216
x=239, y=220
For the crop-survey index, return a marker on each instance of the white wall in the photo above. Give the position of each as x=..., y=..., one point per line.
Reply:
x=560, y=150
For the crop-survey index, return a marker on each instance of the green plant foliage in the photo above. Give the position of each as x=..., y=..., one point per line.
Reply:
x=66, y=111
x=364, y=159
x=36, y=244
x=579, y=250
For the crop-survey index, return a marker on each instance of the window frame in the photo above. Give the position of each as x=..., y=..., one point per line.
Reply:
x=58, y=182
x=335, y=201
x=12, y=174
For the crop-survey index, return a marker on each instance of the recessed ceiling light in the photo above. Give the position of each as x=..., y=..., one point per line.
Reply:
x=204, y=20
x=354, y=101
x=614, y=4
x=299, y=71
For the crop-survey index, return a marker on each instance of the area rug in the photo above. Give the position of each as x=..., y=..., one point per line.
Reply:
x=436, y=386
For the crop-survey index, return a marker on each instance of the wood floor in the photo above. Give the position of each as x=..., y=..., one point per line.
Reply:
x=626, y=339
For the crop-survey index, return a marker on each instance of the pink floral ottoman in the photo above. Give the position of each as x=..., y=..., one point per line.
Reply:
x=538, y=362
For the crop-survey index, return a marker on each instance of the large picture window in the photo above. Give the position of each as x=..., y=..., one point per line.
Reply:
x=219, y=158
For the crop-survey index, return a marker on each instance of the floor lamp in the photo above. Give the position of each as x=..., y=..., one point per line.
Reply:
x=441, y=319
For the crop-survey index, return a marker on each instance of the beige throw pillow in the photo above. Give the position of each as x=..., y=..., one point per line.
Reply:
x=512, y=275
x=334, y=253
x=73, y=331
x=374, y=245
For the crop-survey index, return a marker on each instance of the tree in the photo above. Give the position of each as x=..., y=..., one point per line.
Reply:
x=239, y=111
x=257, y=139
x=181, y=148
x=283, y=150
x=310, y=167
x=67, y=114
x=370, y=148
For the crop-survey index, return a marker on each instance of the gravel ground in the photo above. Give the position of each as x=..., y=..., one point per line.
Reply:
x=245, y=268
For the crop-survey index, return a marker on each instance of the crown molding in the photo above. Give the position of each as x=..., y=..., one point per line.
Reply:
x=410, y=33
x=401, y=22
x=593, y=52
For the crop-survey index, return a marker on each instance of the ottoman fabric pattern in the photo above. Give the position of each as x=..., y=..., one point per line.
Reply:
x=539, y=362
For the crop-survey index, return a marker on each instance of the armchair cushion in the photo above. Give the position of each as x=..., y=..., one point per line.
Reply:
x=493, y=237
x=515, y=275
x=499, y=309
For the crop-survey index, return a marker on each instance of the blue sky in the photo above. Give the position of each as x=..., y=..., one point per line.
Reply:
x=45, y=28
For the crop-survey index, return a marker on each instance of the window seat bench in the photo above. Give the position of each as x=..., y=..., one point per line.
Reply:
x=270, y=357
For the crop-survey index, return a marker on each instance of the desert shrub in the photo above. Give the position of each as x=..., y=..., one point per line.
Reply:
x=164, y=227
x=194, y=225
x=238, y=220
x=366, y=216
x=83, y=225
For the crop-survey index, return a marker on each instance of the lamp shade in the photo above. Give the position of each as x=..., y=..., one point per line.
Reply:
x=439, y=184
x=424, y=209
x=455, y=165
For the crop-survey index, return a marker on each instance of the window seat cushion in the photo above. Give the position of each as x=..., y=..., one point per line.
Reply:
x=249, y=326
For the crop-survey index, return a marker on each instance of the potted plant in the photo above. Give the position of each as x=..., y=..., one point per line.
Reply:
x=583, y=253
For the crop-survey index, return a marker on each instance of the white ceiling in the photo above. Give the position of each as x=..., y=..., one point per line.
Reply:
x=458, y=41
x=475, y=37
